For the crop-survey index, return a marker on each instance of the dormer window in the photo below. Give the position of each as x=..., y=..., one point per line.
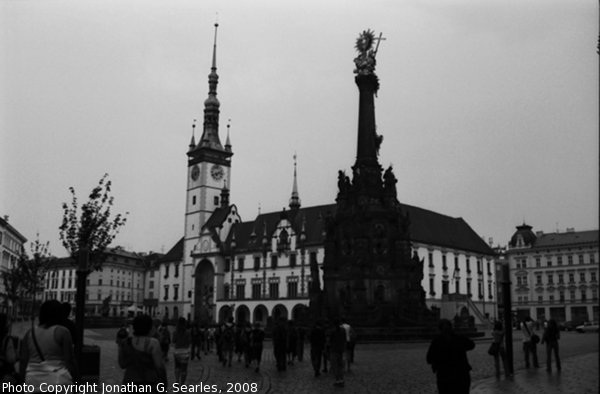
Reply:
x=283, y=242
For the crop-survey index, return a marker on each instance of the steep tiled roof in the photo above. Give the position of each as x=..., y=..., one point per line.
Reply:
x=174, y=254
x=426, y=227
x=569, y=238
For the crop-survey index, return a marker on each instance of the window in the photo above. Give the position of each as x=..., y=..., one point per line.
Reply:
x=456, y=264
x=550, y=279
x=430, y=258
x=111, y=282
x=176, y=274
x=582, y=276
x=274, y=289
x=226, y=289
x=175, y=292
x=444, y=266
x=560, y=278
x=538, y=262
x=166, y=292
x=431, y=283
x=151, y=284
x=490, y=290
x=227, y=265
x=293, y=260
x=193, y=200
x=166, y=271
x=469, y=292
x=540, y=298
x=216, y=200
x=571, y=278
x=580, y=259
x=572, y=295
x=292, y=289
x=479, y=268
x=595, y=294
x=256, y=290
x=457, y=286
x=445, y=287
x=570, y=259
x=240, y=290
x=468, y=266
x=561, y=296
x=592, y=276
x=538, y=279
x=150, y=294
x=274, y=261
x=592, y=258
x=583, y=295
x=480, y=288
x=240, y=264
x=256, y=263
x=489, y=271
x=549, y=261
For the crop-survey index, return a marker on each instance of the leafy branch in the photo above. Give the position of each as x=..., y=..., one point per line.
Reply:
x=91, y=227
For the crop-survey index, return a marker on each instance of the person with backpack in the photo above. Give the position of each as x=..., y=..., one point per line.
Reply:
x=550, y=338
x=141, y=355
x=317, y=346
x=182, y=339
x=227, y=342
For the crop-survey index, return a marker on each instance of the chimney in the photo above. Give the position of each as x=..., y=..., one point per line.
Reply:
x=6, y=218
x=570, y=229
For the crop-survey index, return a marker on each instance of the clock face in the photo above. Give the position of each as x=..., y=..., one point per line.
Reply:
x=217, y=172
x=195, y=172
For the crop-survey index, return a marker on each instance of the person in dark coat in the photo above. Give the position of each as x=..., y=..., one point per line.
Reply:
x=447, y=355
x=197, y=339
x=317, y=345
x=280, y=344
x=257, y=337
x=292, y=342
x=337, y=343
x=550, y=338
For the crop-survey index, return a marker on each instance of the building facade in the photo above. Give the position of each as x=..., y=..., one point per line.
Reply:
x=11, y=250
x=554, y=275
x=114, y=290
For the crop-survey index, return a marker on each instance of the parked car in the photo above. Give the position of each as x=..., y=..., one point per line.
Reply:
x=569, y=325
x=588, y=327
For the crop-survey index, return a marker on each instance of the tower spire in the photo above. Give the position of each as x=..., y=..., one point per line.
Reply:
x=295, y=199
x=210, y=135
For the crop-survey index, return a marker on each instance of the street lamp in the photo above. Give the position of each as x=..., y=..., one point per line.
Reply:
x=302, y=251
x=265, y=242
x=232, y=245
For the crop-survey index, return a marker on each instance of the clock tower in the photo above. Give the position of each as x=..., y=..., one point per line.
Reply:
x=209, y=164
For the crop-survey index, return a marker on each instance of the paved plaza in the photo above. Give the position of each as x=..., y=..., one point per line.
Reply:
x=385, y=368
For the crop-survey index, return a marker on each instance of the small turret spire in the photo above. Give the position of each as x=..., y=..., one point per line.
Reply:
x=193, y=141
x=228, y=141
x=295, y=199
x=224, y=194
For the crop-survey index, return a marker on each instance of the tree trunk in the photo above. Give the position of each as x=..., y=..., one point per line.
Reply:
x=82, y=273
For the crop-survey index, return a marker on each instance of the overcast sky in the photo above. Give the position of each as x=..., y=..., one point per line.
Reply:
x=489, y=109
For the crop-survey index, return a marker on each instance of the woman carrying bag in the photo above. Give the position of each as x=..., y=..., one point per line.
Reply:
x=497, y=349
x=47, y=350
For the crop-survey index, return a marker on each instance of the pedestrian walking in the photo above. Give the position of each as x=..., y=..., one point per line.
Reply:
x=550, y=338
x=257, y=338
x=182, y=340
x=280, y=344
x=245, y=339
x=530, y=341
x=497, y=349
x=197, y=340
x=164, y=337
x=350, y=342
x=8, y=353
x=292, y=342
x=317, y=345
x=227, y=339
x=141, y=356
x=447, y=355
x=336, y=353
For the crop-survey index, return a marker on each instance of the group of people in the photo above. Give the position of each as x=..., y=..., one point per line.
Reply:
x=46, y=352
x=447, y=353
